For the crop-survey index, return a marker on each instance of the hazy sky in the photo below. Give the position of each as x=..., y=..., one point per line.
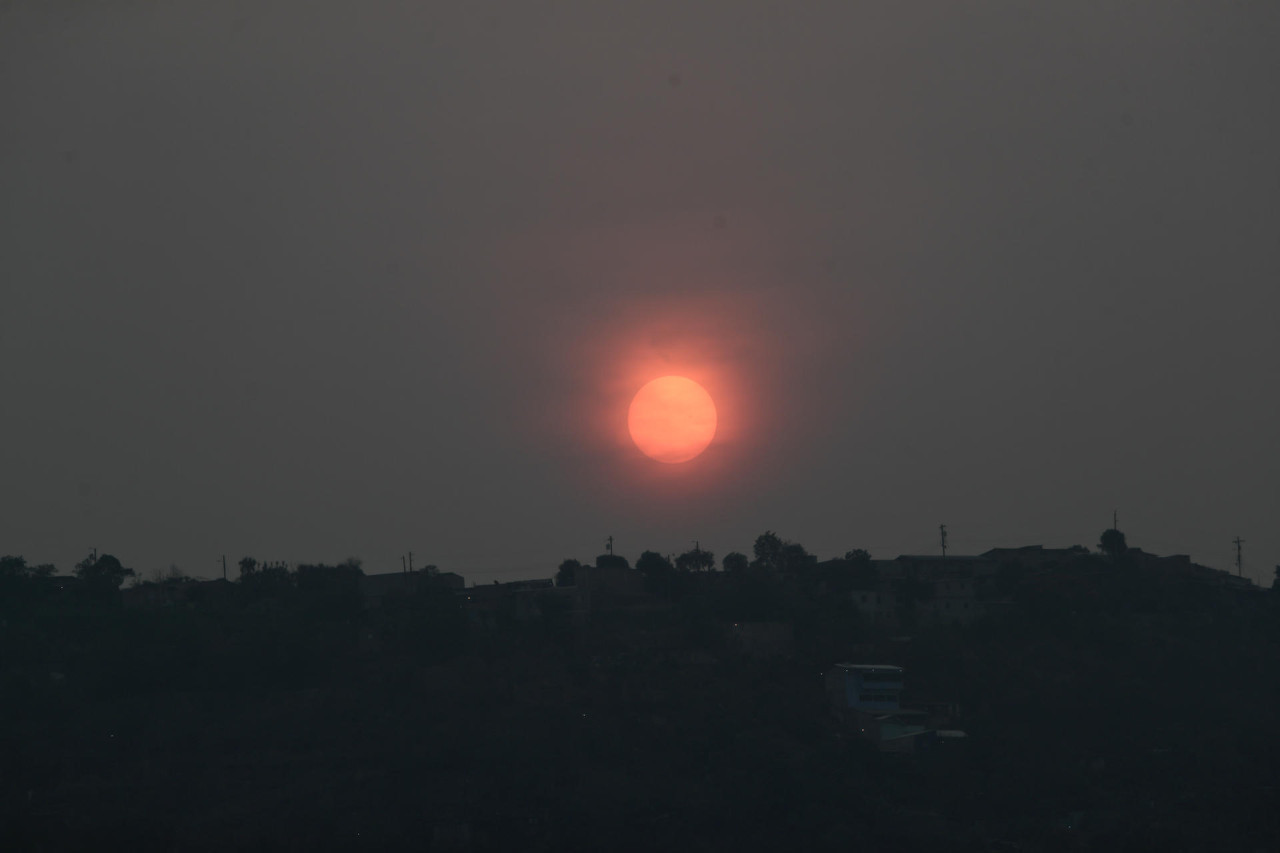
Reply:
x=305, y=280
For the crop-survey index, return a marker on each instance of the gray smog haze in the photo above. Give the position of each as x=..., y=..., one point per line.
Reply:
x=303, y=280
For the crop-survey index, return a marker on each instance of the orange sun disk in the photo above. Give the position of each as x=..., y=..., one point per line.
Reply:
x=672, y=419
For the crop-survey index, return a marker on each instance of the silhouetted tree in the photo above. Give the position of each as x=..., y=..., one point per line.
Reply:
x=794, y=558
x=12, y=567
x=854, y=571
x=659, y=574
x=735, y=562
x=248, y=566
x=1112, y=543
x=651, y=563
x=173, y=574
x=567, y=574
x=103, y=575
x=16, y=568
x=768, y=551
x=696, y=560
x=331, y=591
x=267, y=580
x=17, y=579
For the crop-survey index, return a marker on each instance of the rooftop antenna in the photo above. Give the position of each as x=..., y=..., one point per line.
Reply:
x=609, y=546
x=1239, y=557
x=224, y=566
x=942, y=533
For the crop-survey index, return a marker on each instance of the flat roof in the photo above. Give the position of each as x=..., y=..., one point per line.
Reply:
x=938, y=558
x=870, y=667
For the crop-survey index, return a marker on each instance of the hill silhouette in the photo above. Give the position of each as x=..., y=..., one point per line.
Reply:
x=1110, y=701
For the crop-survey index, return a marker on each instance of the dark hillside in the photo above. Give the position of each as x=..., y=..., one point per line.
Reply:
x=1107, y=706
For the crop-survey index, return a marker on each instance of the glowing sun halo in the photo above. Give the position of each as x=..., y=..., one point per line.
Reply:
x=672, y=419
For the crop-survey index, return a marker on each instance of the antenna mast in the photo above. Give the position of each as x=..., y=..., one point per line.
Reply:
x=942, y=534
x=1239, y=557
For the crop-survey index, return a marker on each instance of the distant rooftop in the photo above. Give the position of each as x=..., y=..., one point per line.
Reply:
x=870, y=667
x=1037, y=550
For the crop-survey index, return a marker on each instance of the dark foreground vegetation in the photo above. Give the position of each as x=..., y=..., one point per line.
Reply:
x=1107, y=707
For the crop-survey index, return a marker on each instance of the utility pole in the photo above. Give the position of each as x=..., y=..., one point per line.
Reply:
x=1115, y=524
x=942, y=532
x=224, y=566
x=1239, y=557
x=404, y=569
x=410, y=562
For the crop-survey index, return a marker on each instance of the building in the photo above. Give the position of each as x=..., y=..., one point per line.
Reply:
x=618, y=580
x=923, y=590
x=169, y=593
x=375, y=588
x=953, y=600
x=1179, y=567
x=903, y=731
x=1035, y=556
x=607, y=586
x=878, y=606
x=868, y=699
x=935, y=566
x=865, y=687
x=489, y=605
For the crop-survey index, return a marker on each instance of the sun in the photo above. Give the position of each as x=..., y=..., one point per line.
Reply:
x=672, y=419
